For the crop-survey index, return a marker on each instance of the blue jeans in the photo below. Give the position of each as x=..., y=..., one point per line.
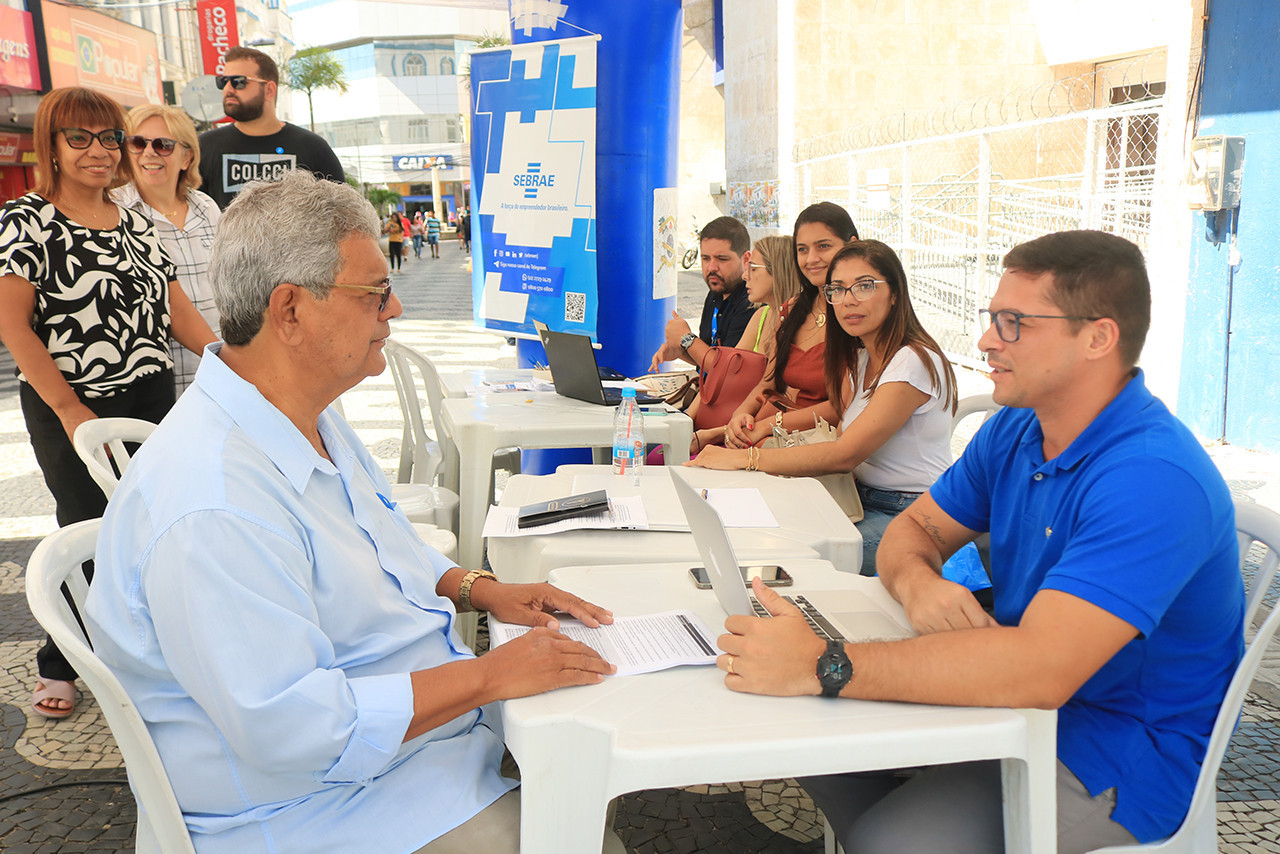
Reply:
x=879, y=507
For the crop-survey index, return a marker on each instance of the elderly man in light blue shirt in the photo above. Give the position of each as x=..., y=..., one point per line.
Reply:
x=283, y=631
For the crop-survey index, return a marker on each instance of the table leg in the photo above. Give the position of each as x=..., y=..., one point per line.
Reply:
x=681, y=436
x=563, y=800
x=1030, y=789
x=475, y=465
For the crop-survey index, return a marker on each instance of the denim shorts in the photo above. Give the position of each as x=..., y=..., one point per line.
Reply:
x=879, y=507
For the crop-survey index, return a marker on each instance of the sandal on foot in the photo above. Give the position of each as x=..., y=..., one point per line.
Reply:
x=53, y=689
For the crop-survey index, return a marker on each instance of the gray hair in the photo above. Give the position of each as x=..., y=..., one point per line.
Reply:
x=281, y=231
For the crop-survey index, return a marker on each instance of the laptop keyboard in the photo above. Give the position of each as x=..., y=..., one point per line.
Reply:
x=821, y=627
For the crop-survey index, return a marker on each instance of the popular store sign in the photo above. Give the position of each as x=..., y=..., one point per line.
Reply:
x=90, y=49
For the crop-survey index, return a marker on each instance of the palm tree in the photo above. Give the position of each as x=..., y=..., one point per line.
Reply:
x=382, y=199
x=315, y=68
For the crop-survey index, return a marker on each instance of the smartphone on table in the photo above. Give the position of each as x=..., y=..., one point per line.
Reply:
x=771, y=574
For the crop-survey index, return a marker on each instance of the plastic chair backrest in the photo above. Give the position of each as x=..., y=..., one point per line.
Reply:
x=1199, y=830
x=94, y=437
x=972, y=405
x=57, y=560
x=419, y=454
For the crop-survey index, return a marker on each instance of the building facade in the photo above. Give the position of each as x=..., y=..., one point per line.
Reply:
x=403, y=122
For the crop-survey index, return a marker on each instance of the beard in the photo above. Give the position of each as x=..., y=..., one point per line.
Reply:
x=243, y=111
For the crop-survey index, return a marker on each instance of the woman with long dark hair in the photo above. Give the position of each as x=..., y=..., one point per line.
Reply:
x=797, y=376
x=890, y=387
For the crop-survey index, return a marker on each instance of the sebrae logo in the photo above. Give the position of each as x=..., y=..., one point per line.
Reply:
x=533, y=178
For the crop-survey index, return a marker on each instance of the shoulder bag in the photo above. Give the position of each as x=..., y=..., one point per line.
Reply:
x=841, y=485
x=728, y=376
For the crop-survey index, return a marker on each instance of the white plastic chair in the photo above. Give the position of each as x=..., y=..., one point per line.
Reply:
x=1199, y=831
x=57, y=561
x=971, y=405
x=100, y=443
x=409, y=359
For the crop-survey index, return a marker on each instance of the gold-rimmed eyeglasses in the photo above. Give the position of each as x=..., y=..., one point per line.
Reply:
x=384, y=290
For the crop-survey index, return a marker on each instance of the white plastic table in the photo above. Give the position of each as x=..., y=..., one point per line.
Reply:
x=580, y=747
x=481, y=424
x=811, y=525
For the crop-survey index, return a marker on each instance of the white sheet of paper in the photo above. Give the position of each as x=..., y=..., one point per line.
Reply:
x=622, y=513
x=640, y=644
x=742, y=507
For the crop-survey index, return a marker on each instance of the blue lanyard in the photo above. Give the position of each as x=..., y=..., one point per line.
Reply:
x=715, y=326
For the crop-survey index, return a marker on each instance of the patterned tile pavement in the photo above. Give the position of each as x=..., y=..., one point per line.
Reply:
x=62, y=785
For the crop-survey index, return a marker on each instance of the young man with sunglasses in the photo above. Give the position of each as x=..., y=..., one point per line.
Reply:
x=257, y=145
x=1118, y=597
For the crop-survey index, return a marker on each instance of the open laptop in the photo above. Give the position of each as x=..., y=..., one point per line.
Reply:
x=572, y=360
x=833, y=614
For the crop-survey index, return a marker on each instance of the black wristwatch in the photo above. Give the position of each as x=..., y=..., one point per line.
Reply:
x=834, y=669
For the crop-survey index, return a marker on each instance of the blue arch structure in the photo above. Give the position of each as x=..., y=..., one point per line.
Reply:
x=1232, y=390
x=637, y=120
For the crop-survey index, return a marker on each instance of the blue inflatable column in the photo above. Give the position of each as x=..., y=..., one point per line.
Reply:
x=637, y=127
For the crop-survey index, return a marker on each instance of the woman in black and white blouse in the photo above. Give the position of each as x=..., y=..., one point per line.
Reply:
x=87, y=301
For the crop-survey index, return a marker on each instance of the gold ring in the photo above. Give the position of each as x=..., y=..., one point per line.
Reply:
x=731, y=658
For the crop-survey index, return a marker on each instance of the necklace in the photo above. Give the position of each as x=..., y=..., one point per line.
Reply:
x=819, y=320
x=83, y=215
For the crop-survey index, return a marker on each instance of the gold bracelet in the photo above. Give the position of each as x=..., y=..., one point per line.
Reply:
x=464, y=589
x=753, y=458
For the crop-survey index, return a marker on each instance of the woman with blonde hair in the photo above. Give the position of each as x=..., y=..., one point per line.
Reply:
x=772, y=280
x=88, y=302
x=165, y=154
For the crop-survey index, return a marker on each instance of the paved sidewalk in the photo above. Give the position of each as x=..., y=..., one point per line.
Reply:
x=62, y=785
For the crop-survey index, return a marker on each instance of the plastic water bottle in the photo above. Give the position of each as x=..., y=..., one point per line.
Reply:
x=628, y=437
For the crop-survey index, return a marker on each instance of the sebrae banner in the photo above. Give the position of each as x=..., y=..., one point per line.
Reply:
x=533, y=155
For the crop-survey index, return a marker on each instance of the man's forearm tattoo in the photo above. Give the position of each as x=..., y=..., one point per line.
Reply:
x=931, y=529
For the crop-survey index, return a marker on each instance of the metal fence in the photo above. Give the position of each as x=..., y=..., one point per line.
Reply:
x=951, y=199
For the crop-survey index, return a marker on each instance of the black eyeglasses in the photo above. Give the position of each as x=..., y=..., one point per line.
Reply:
x=1008, y=323
x=79, y=138
x=859, y=290
x=161, y=145
x=384, y=289
x=237, y=81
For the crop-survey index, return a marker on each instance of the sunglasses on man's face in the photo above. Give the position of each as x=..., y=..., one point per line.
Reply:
x=237, y=81
x=161, y=145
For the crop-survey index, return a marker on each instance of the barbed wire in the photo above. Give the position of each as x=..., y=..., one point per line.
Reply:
x=1046, y=100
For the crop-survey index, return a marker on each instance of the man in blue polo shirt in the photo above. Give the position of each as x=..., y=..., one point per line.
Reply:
x=1118, y=598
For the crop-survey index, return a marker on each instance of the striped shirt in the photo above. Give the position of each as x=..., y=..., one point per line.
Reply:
x=189, y=248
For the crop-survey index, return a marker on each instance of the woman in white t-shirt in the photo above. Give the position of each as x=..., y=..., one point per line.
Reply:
x=891, y=390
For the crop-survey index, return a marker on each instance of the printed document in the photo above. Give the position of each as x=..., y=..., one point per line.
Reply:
x=633, y=644
x=622, y=513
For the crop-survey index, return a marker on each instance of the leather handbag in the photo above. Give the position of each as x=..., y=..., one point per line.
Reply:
x=840, y=485
x=728, y=375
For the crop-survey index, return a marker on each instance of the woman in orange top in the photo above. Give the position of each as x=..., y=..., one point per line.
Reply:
x=799, y=372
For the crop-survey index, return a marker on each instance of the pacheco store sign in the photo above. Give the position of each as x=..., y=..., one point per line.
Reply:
x=87, y=48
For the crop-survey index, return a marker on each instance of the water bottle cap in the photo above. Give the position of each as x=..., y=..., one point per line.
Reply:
x=628, y=392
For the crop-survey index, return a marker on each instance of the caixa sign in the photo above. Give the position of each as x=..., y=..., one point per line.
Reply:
x=421, y=162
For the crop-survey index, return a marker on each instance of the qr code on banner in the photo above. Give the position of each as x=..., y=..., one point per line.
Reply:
x=575, y=308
